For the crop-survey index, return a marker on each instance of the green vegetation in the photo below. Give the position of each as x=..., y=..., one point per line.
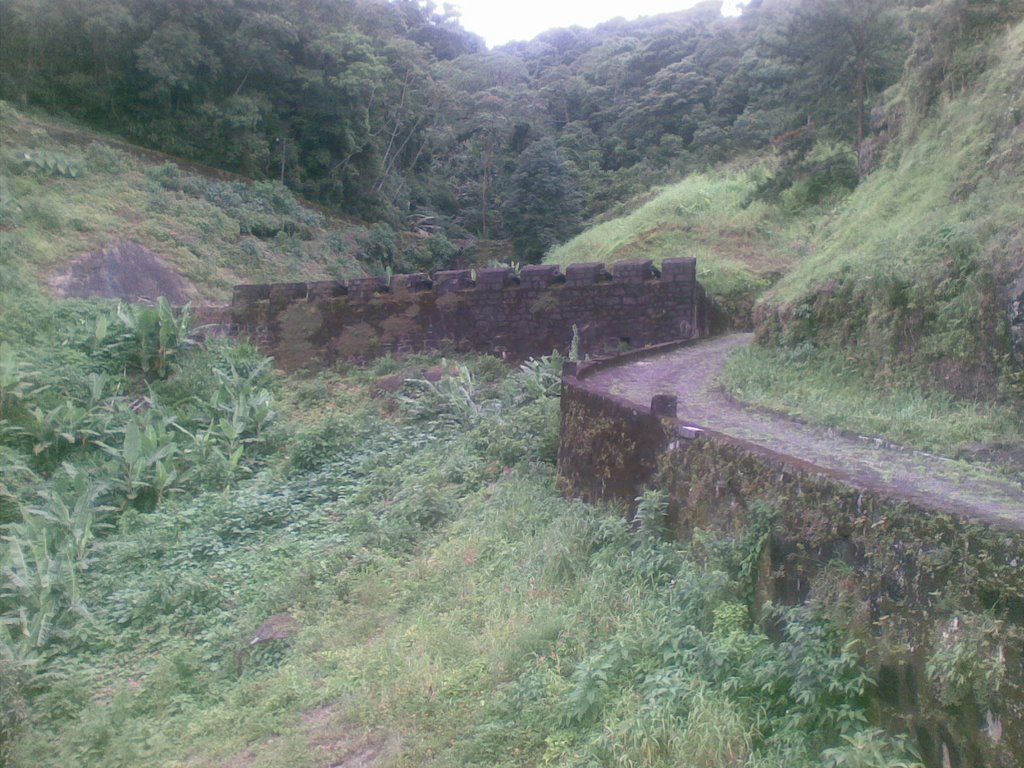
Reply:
x=544, y=205
x=206, y=563
x=215, y=232
x=390, y=111
x=444, y=606
x=912, y=271
x=884, y=295
x=741, y=246
x=824, y=388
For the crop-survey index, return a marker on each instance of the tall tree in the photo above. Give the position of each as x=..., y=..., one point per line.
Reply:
x=843, y=51
x=545, y=203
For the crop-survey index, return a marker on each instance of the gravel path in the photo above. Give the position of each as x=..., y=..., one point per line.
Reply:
x=931, y=481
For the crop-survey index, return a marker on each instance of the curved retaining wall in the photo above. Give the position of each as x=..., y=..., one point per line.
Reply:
x=914, y=576
x=496, y=311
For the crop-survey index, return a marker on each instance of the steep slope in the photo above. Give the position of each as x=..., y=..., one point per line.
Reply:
x=741, y=247
x=67, y=196
x=922, y=268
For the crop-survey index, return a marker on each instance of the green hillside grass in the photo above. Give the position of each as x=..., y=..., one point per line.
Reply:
x=881, y=312
x=901, y=301
x=741, y=247
x=912, y=271
x=828, y=389
x=65, y=192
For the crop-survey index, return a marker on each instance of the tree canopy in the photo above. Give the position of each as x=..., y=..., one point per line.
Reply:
x=391, y=111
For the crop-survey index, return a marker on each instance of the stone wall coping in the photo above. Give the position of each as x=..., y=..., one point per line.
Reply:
x=587, y=368
x=530, y=277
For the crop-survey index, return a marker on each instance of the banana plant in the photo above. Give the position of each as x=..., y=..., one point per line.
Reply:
x=239, y=396
x=455, y=395
x=43, y=557
x=143, y=459
x=154, y=333
x=542, y=378
x=67, y=424
x=238, y=412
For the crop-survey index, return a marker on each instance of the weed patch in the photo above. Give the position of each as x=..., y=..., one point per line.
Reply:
x=442, y=602
x=822, y=387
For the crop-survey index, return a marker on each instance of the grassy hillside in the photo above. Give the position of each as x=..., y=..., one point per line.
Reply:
x=915, y=269
x=65, y=192
x=741, y=247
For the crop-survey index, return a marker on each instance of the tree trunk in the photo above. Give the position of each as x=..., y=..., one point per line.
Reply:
x=860, y=86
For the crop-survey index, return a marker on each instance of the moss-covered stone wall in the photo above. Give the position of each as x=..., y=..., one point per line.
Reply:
x=496, y=311
x=936, y=599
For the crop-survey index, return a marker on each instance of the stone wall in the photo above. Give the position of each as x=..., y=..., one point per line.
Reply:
x=915, y=578
x=496, y=311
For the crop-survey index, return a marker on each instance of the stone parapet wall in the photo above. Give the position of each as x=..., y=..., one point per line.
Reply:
x=495, y=310
x=912, y=576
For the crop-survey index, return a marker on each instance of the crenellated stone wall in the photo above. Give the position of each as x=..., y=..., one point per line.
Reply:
x=494, y=310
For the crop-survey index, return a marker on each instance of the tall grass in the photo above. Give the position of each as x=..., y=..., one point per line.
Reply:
x=741, y=246
x=452, y=609
x=825, y=388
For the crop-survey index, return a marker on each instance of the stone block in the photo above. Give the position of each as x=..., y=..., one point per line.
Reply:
x=246, y=294
x=495, y=278
x=676, y=270
x=587, y=273
x=689, y=433
x=284, y=293
x=366, y=286
x=540, y=275
x=452, y=280
x=326, y=289
x=633, y=271
x=411, y=283
x=664, y=406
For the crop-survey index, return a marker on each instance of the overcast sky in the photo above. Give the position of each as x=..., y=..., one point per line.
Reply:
x=499, y=21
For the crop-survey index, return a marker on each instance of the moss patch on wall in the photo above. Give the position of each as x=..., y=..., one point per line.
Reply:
x=918, y=584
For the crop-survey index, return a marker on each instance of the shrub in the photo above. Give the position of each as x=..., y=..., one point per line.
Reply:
x=142, y=338
x=810, y=176
x=101, y=158
x=435, y=253
x=378, y=247
x=53, y=163
x=967, y=667
x=167, y=175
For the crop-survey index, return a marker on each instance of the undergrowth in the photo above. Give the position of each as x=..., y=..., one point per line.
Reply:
x=61, y=198
x=825, y=388
x=448, y=607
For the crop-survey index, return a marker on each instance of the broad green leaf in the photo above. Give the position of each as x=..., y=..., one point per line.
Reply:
x=132, y=443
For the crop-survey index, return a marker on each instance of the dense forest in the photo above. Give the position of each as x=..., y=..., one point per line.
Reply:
x=392, y=112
